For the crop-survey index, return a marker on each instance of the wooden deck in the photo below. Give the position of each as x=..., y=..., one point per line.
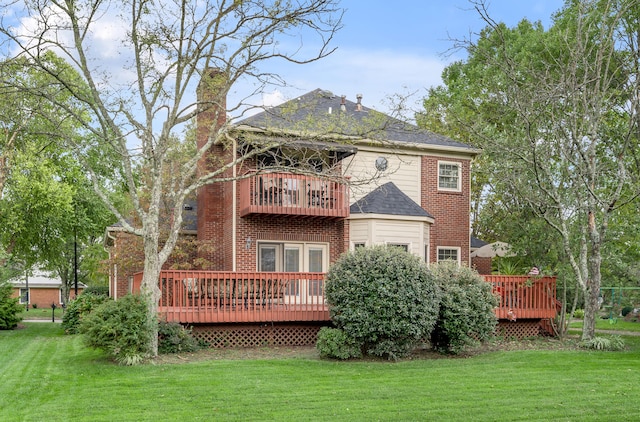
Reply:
x=211, y=297
x=524, y=297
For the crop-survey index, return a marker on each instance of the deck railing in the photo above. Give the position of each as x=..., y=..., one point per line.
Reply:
x=523, y=297
x=221, y=297
x=218, y=296
x=293, y=194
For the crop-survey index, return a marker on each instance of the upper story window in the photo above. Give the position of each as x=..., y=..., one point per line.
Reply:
x=449, y=176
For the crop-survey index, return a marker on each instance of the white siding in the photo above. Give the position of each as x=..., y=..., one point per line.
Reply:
x=359, y=232
x=383, y=232
x=403, y=170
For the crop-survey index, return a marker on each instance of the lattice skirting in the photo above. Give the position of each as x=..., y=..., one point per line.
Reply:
x=254, y=335
x=518, y=329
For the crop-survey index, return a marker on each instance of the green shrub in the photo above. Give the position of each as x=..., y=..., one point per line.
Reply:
x=10, y=308
x=626, y=310
x=78, y=309
x=122, y=328
x=578, y=313
x=174, y=338
x=613, y=343
x=336, y=344
x=97, y=290
x=466, y=308
x=34, y=306
x=383, y=298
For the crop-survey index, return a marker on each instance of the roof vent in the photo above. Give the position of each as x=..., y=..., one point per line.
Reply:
x=343, y=103
x=359, y=104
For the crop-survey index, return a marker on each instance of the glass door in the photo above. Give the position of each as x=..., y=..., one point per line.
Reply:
x=316, y=262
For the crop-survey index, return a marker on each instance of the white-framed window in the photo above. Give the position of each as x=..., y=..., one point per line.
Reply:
x=357, y=245
x=24, y=295
x=449, y=176
x=449, y=254
x=403, y=246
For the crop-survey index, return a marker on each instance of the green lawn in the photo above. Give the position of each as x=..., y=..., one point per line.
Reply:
x=611, y=325
x=49, y=376
x=42, y=314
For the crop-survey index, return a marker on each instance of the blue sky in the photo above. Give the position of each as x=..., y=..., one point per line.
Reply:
x=388, y=48
x=385, y=48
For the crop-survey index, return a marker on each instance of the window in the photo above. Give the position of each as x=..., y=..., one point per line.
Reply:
x=449, y=254
x=403, y=246
x=24, y=295
x=359, y=245
x=449, y=176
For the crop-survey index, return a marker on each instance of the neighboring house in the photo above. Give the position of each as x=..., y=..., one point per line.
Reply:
x=42, y=291
x=374, y=180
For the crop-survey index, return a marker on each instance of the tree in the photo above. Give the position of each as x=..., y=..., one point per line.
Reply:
x=139, y=108
x=557, y=114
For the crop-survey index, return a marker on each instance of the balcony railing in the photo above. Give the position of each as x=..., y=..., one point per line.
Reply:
x=223, y=297
x=293, y=194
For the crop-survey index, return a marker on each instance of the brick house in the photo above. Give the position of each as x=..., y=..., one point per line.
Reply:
x=41, y=290
x=325, y=175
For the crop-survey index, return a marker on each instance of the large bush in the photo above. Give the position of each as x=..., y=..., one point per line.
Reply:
x=121, y=328
x=10, y=308
x=383, y=298
x=466, y=308
x=79, y=308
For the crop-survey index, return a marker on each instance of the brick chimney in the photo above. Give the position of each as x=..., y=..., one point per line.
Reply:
x=213, y=220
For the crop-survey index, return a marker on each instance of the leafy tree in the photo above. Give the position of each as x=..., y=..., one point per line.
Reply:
x=139, y=109
x=556, y=113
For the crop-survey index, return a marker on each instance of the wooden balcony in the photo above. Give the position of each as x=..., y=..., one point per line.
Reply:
x=231, y=297
x=293, y=194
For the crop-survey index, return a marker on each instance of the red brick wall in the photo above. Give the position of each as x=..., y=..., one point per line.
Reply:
x=450, y=209
x=481, y=265
x=44, y=297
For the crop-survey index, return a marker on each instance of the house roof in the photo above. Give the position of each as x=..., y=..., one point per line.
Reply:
x=40, y=280
x=389, y=200
x=320, y=111
x=189, y=220
x=477, y=243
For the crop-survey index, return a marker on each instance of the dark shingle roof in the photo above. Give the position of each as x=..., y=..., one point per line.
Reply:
x=320, y=111
x=388, y=199
x=477, y=243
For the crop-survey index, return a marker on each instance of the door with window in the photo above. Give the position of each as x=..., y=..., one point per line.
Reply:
x=293, y=258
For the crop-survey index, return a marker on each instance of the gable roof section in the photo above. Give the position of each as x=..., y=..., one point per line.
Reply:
x=477, y=243
x=321, y=112
x=388, y=200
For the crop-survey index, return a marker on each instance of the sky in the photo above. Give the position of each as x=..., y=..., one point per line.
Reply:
x=385, y=49
x=399, y=48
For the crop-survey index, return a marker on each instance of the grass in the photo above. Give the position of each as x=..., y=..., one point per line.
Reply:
x=42, y=314
x=606, y=324
x=47, y=375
